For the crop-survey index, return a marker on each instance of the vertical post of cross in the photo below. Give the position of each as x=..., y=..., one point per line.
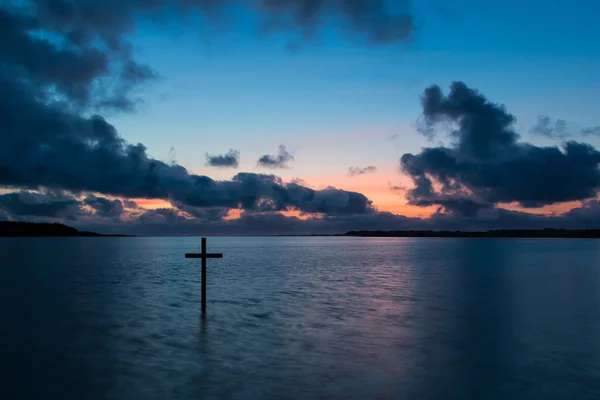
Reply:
x=203, y=276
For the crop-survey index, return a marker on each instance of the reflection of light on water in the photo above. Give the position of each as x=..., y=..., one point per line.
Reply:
x=361, y=317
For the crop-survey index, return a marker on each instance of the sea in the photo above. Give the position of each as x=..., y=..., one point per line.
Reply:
x=300, y=318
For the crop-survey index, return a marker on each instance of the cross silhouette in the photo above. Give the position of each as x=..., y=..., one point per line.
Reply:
x=204, y=255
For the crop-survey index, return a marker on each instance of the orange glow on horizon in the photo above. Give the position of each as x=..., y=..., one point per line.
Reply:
x=297, y=214
x=375, y=187
x=232, y=214
x=559, y=208
x=152, y=204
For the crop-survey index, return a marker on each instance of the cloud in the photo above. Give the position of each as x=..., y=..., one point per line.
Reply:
x=229, y=160
x=300, y=181
x=464, y=207
x=161, y=216
x=487, y=162
x=173, y=222
x=551, y=129
x=592, y=131
x=49, y=204
x=105, y=207
x=202, y=214
x=246, y=191
x=281, y=160
x=561, y=129
x=69, y=53
x=375, y=21
x=130, y=204
x=355, y=171
x=61, y=205
x=397, y=188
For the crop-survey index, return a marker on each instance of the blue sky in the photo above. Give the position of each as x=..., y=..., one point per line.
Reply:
x=336, y=101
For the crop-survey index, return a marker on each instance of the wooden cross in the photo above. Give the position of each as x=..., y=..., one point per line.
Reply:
x=204, y=255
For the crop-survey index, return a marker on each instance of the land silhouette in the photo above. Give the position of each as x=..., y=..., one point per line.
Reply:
x=32, y=229
x=503, y=233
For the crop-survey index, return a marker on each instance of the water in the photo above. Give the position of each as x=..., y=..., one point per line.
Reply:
x=300, y=318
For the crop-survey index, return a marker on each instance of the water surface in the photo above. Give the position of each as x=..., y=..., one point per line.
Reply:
x=300, y=318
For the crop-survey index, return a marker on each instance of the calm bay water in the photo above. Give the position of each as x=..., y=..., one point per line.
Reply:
x=300, y=318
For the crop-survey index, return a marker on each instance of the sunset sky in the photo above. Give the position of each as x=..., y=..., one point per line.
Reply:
x=348, y=85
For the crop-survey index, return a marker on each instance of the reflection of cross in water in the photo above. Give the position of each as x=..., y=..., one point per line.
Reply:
x=204, y=255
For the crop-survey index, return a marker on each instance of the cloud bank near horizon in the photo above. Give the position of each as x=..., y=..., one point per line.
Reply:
x=116, y=216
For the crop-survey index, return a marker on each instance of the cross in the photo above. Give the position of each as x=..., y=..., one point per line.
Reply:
x=204, y=255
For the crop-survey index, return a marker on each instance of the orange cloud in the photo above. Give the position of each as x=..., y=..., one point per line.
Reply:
x=546, y=210
x=233, y=214
x=152, y=204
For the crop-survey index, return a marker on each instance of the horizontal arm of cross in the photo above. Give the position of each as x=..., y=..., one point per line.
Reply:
x=203, y=255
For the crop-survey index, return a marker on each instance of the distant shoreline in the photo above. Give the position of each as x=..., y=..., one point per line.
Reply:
x=504, y=233
x=32, y=229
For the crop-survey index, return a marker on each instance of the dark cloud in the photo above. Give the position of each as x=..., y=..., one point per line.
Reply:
x=355, y=171
x=300, y=181
x=202, y=214
x=593, y=131
x=374, y=20
x=104, y=207
x=268, y=193
x=487, y=163
x=545, y=126
x=588, y=213
x=281, y=160
x=59, y=205
x=53, y=49
x=48, y=204
x=130, y=204
x=397, y=188
x=229, y=160
x=144, y=178
x=561, y=129
x=461, y=206
x=162, y=216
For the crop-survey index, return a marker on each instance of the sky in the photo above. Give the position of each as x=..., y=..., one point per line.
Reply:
x=299, y=116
